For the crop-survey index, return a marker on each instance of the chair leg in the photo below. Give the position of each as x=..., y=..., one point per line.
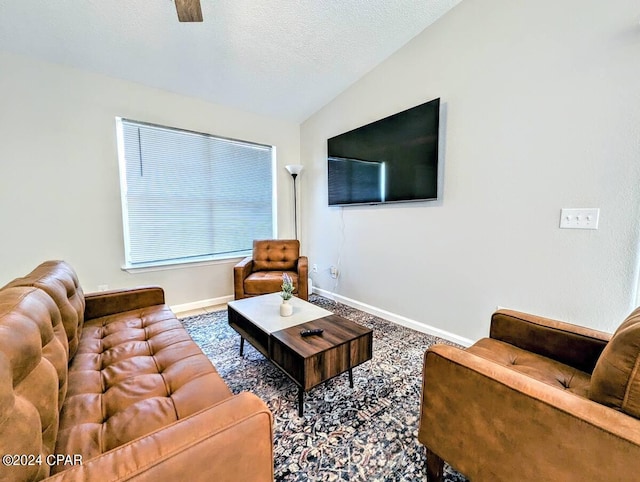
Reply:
x=435, y=467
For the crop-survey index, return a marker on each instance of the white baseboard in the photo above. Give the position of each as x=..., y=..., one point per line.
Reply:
x=372, y=310
x=196, y=305
x=400, y=320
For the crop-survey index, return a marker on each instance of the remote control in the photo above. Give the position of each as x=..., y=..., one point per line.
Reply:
x=314, y=331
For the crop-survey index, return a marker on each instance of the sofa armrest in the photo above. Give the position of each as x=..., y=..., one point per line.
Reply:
x=227, y=442
x=240, y=272
x=493, y=423
x=572, y=345
x=104, y=303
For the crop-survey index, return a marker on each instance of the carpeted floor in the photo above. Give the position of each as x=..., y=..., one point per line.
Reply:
x=366, y=433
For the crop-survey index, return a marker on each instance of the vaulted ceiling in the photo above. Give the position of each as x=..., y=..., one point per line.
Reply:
x=280, y=58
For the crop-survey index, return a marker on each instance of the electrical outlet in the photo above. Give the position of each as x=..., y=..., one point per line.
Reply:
x=314, y=268
x=579, y=218
x=334, y=272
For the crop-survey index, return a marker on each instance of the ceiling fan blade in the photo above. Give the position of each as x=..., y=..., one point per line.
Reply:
x=189, y=10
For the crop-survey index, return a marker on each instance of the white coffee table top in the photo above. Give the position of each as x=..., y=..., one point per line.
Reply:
x=264, y=311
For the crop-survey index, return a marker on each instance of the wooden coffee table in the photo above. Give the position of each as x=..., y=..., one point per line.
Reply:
x=308, y=361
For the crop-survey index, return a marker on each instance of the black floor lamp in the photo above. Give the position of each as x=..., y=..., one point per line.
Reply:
x=294, y=170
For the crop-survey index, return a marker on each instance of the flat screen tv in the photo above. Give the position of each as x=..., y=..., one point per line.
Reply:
x=394, y=159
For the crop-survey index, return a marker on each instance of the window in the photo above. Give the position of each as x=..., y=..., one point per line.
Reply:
x=191, y=197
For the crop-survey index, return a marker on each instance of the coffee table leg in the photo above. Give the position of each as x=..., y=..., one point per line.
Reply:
x=300, y=401
x=241, y=346
x=350, y=377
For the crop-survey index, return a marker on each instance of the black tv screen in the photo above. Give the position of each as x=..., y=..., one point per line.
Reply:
x=394, y=159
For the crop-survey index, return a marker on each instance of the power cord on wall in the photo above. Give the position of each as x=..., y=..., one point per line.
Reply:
x=340, y=246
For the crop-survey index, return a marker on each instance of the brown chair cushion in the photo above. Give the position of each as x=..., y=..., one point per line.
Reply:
x=616, y=378
x=531, y=364
x=275, y=254
x=262, y=282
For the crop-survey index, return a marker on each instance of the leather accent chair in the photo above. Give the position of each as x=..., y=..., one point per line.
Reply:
x=261, y=273
x=539, y=399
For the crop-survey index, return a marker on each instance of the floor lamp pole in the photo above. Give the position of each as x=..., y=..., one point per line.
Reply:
x=295, y=205
x=294, y=170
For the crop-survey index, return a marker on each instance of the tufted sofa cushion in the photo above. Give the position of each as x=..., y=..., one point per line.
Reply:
x=616, y=377
x=134, y=373
x=59, y=280
x=279, y=255
x=33, y=378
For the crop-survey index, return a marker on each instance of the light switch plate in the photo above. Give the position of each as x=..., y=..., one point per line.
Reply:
x=582, y=218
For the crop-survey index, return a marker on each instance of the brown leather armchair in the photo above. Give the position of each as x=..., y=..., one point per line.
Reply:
x=262, y=272
x=538, y=400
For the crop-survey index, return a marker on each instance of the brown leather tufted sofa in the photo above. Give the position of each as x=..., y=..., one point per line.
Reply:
x=261, y=273
x=109, y=386
x=539, y=400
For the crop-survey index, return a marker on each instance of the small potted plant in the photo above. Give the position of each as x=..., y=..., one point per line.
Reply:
x=286, y=309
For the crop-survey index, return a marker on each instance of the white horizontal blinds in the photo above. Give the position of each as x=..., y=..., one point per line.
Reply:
x=242, y=195
x=191, y=196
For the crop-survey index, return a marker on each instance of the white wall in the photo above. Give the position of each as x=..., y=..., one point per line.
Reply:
x=59, y=184
x=541, y=110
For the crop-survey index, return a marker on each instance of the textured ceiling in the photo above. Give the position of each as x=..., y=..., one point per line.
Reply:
x=281, y=58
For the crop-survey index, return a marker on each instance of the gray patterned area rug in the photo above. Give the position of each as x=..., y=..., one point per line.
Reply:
x=366, y=433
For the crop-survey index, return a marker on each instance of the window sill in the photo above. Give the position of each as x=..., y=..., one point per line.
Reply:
x=145, y=268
